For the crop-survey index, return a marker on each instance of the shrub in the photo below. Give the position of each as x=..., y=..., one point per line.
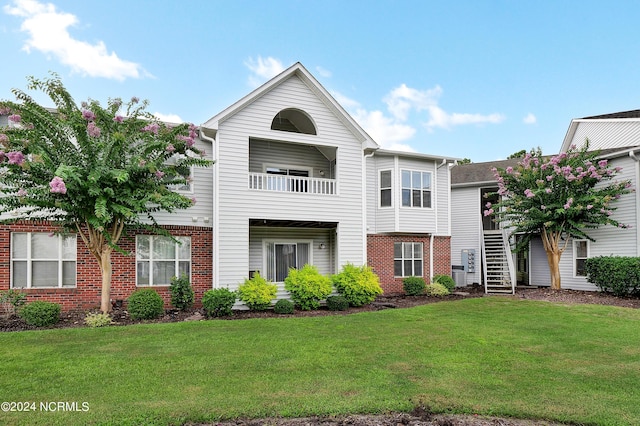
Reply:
x=446, y=281
x=307, y=287
x=40, y=314
x=257, y=293
x=218, y=302
x=436, y=289
x=181, y=293
x=98, y=320
x=11, y=300
x=413, y=285
x=358, y=284
x=283, y=306
x=618, y=275
x=145, y=304
x=337, y=303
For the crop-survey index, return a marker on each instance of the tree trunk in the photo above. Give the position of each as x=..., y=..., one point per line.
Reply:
x=105, y=268
x=553, y=258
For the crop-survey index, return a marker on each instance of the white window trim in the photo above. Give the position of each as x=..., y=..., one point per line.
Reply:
x=380, y=188
x=266, y=166
x=176, y=260
x=265, y=256
x=575, y=256
x=29, y=259
x=431, y=189
x=412, y=259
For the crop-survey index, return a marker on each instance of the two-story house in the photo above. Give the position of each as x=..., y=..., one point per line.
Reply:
x=295, y=180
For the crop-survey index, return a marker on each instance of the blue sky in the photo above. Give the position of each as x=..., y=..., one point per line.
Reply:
x=475, y=79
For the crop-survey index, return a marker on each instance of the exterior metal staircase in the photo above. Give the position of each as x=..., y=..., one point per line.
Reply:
x=497, y=262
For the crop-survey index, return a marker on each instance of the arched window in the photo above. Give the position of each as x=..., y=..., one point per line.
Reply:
x=293, y=120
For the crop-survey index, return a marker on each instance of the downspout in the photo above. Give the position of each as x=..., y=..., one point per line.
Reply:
x=633, y=155
x=215, y=261
x=364, y=205
x=431, y=239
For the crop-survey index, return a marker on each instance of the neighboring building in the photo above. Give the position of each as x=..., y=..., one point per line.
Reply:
x=295, y=180
x=617, y=137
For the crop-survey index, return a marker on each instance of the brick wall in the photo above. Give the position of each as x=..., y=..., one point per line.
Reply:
x=86, y=294
x=380, y=257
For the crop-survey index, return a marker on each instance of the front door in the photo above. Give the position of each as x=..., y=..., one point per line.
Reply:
x=488, y=195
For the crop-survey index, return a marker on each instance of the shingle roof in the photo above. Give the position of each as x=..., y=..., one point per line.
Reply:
x=623, y=114
x=478, y=172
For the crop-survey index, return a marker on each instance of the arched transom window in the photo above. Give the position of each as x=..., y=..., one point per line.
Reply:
x=293, y=120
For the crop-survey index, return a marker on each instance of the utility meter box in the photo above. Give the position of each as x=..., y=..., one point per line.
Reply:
x=469, y=260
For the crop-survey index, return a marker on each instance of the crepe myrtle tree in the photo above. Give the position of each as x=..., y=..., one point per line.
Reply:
x=558, y=198
x=92, y=170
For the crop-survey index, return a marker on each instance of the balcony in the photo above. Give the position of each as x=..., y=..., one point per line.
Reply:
x=290, y=183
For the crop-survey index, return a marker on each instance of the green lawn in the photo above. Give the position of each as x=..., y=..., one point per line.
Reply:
x=492, y=355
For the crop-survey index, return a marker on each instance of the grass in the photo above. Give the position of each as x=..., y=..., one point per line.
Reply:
x=493, y=356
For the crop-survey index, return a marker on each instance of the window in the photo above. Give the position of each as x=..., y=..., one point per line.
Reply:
x=293, y=120
x=385, y=188
x=408, y=259
x=184, y=171
x=39, y=260
x=296, y=182
x=159, y=258
x=416, y=188
x=580, y=255
x=281, y=256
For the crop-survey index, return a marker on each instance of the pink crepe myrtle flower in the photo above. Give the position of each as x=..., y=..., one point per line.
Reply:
x=488, y=212
x=142, y=163
x=568, y=203
x=15, y=157
x=488, y=205
x=88, y=115
x=4, y=138
x=15, y=118
x=57, y=185
x=603, y=163
x=509, y=170
x=151, y=128
x=159, y=174
x=93, y=130
x=543, y=207
x=548, y=190
x=529, y=193
x=589, y=206
x=21, y=192
x=118, y=119
x=170, y=148
x=193, y=200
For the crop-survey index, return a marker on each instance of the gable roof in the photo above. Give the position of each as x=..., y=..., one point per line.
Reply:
x=309, y=80
x=631, y=117
x=478, y=173
x=634, y=113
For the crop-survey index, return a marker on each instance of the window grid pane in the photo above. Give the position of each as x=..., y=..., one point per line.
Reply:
x=161, y=258
x=407, y=259
x=42, y=260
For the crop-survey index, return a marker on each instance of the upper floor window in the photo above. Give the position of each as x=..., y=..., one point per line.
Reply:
x=580, y=255
x=293, y=120
x=40, y=260
x=416, y=188
x=159, y=258
x=185, y=171
x=385, y=188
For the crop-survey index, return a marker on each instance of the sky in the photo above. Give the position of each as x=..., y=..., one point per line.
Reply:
x=463, y=79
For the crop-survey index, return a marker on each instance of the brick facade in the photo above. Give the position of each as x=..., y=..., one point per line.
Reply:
x=86, y=294
x=380, y=257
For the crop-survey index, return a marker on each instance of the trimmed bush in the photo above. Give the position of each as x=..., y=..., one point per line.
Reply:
x=358, y=284
x=436, y=289
x=307, y=287
x=337, y=303
x=619, y=275
x=283, y=306
x=98, y=320
x=446, y=281
x=413, y=286
x=257, y=293
x=182, y=296
x=11, y=300
x=218, y=302
x=40, y=314
x=145, y=304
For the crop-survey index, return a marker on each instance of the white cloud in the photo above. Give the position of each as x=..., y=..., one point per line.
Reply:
x=384, y=130
x=323, y=72
x=530, y=119
x=262, y=69
x=440, y=118
x=168, y=118
x=48, y=33
x=401, y=100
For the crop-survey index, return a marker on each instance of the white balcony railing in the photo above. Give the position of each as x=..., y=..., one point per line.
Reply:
x=286, y=183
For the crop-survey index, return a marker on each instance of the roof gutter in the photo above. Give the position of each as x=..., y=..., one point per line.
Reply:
x=634, y=156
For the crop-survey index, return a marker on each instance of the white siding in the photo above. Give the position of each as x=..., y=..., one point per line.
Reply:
x=380, y=220
x=416, y=219
x=237, y=204
x=442, y=179
x=465, y=228
x=607, y=134
x=538, y=265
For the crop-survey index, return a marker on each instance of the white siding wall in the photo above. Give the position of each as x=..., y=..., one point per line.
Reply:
x=538, y=266
x=203, y=193
x=466, y=227
x=607, y=134
x=443, y=197
x=380, y=220
x=237, y=204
